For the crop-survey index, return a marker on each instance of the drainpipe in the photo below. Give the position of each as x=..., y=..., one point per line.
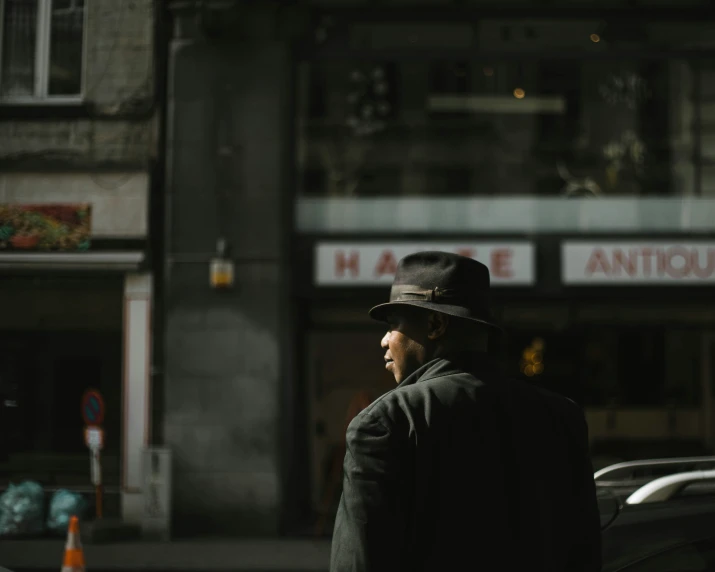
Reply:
x=159, y=223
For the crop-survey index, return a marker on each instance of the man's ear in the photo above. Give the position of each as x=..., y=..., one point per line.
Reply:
x=436, y=325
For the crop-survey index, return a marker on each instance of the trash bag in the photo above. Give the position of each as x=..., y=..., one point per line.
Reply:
x=63, y=505
x=22, y=509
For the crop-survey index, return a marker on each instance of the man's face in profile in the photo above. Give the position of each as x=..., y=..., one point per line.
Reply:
x=404, y=341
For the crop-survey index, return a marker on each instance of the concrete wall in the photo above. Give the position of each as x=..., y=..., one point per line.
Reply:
x=119, y=200
x=120, y=59
x=228, y=108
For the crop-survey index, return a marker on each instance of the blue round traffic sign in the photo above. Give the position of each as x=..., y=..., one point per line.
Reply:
x=92, y=407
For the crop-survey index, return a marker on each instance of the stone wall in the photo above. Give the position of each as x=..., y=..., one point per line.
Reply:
x=225, y=351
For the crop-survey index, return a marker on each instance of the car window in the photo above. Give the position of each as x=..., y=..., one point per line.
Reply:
x=696, y=489
x=692, y=557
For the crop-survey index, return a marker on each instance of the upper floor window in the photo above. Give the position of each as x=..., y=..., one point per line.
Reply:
x=553, y=109
x=41, y=49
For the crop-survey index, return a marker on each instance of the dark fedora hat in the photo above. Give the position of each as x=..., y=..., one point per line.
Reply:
x=443, y=282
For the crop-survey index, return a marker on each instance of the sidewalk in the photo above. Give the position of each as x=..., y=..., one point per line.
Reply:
x=244, y=554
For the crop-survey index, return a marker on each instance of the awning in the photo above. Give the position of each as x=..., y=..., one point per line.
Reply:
x=84, y=261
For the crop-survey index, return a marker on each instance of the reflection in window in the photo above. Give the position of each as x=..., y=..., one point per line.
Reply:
x=67, y=27
x=495, y=128
x=641, y=367
x=19, y=38
x=611, y=366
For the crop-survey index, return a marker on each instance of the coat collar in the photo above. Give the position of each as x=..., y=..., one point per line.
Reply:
x=475, y=363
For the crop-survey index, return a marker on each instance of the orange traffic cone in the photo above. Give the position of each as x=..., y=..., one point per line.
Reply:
x=74, y=556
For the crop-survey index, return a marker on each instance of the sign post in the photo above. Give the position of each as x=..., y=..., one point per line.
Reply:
x=93, y=415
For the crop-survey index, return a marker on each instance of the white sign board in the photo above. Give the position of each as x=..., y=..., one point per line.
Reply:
x=94, y=438
x=668, y=263
x=362, y=264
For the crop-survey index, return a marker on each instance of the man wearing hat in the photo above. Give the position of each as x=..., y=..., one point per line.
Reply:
x=458, y=467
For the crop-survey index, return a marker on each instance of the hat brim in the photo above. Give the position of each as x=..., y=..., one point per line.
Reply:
x=379, y=312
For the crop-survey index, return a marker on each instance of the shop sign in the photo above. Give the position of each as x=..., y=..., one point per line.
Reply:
x=638, y=263
x=363, y=264
x=47, y=227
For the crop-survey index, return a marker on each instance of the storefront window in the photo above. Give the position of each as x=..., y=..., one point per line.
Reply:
x=60, y=336
x=480, y=127
x=621, y=367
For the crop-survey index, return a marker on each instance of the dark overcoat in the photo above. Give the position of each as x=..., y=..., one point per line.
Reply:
x=459, y=468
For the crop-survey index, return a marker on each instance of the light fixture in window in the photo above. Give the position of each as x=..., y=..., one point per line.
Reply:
x=532, y=358
x=595, y=38
x=221, y=267
x=519, y=93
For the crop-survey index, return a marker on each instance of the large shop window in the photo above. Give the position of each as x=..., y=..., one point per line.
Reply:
x=621, y=367
x=58, y=338
x=42, y=49
x=483, y=128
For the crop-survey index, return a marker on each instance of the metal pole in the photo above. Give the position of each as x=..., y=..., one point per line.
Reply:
x=97, y=481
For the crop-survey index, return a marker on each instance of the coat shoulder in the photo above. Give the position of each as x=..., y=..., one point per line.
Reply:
x=379, y=411
x=393, y=405
x=392, y=408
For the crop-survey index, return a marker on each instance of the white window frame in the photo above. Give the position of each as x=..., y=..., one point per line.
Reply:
x=42, y=60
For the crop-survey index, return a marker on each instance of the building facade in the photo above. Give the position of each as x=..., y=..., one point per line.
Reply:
x=79, y=136
x=568, y=148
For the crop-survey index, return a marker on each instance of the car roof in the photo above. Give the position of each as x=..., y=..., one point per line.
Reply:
x=665, y=488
